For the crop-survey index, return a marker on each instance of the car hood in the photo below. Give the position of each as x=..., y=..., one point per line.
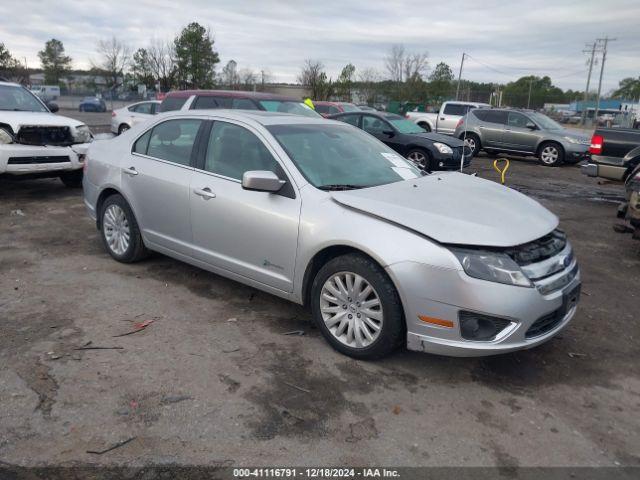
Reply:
x=438, y=137
x=17, y=119
x=455, y=208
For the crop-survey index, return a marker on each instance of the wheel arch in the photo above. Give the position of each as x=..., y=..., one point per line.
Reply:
x=321, y=257
x=547, y=141
x=423, y=122
x=102, y=197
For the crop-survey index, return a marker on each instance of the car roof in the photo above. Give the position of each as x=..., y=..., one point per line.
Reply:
x=10, y=84
x=231, y=94
x=258, y=116
x=376, y=113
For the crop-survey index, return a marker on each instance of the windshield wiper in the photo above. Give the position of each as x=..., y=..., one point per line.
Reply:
x=340, y=186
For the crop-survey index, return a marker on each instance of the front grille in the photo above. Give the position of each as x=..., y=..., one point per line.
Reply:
x=538, y=250
x=33, y=160
x=36, y=135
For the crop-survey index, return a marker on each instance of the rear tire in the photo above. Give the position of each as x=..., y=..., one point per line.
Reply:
x=473, y=142
x=72, y=179
x=551, y=154
x=123, y=128
x=120, y=232
x=364, y=318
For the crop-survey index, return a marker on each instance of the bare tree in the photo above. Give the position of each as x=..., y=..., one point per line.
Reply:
x=415, y=66
x=394, y=63
x=229, y=75
x=114, y=57
x=313, y=76
x=162, y=62
x=248, y=79
x=368, y=79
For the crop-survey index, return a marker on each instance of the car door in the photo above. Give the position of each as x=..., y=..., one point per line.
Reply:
x=517, y=136
x=351, y=119
x=156, y=179
x=491, y=126
x=252, y=234
x=383, y=131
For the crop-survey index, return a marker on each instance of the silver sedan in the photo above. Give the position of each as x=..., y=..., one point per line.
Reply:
x=323, y=214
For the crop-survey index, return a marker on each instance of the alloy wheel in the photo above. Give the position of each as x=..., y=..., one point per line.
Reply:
x=351, y=309
x=549, y=155
x=471, y=143
x=116, y=229
x=418, y=158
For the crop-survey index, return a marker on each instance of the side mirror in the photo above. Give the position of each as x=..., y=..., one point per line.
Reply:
x=388, y=133
x=261, y=181
x=53, y=107
x=531, y=126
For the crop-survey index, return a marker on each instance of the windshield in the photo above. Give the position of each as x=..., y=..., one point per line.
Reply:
x=297, y=108
x=405, y=126
x=330, y=156
x=545, y=122
x=19, y=99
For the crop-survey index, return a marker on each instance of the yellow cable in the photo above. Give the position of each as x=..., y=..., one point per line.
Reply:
x=503, y=171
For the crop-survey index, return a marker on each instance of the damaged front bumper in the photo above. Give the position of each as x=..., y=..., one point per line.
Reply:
x=36, y=160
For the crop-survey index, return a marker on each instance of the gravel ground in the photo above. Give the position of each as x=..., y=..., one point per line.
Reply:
x=214, y=380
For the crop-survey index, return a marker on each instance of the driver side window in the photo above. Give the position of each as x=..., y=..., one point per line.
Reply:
x=233, y=150
x=517, y=120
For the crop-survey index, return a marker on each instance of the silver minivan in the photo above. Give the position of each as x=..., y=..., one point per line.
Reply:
x=323, y=214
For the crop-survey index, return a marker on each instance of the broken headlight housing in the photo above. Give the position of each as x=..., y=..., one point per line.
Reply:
x=491, y=266
x=5, y=137
x=82, y=134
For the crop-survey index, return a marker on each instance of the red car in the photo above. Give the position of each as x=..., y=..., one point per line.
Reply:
x=331, y=108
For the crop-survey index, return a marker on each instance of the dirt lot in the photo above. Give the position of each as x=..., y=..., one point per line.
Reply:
x=214, y=379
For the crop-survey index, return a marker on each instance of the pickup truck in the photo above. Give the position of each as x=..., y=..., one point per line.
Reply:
x=615, y=153
x=35, y=143
x=446, y=119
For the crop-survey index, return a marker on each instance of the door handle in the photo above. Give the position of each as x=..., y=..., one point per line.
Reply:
x=132, y=172
x=442, y=118
x=205, y=193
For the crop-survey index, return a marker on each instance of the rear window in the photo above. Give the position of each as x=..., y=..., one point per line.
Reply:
x=206, y=102
x=348, y=107
x=170, y=104
x=456, y=109
x=286, y=106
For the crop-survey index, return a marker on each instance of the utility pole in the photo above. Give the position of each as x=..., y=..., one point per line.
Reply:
x=460, y=76
x=586, y=92
x=529, y=97
x=605, y=42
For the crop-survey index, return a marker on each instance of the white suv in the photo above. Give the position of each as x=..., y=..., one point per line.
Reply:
x=36, y=143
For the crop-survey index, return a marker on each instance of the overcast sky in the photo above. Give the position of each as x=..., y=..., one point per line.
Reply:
x=506, y=39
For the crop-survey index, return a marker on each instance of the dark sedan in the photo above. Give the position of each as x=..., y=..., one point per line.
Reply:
x=429, y=151
x=92, y=104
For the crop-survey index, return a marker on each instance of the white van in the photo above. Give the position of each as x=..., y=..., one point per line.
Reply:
x=46, y=92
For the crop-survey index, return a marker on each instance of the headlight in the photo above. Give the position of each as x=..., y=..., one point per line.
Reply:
x=82, y=134
x=5, y=137
x=491, y=266
x=442, y=148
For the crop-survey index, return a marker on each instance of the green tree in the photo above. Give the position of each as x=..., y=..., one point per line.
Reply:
x=440, y=84
x=195, y=57
x=344, y=85
x=10, y=68
x=141, y=68
x=54, y=61
x=516, y=94
x=628, y=88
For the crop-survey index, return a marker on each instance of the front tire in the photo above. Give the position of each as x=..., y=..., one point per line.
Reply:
x=421, y=159
x=120, y=232
x=72, y=179
x=357, y=308
x=551, y=154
